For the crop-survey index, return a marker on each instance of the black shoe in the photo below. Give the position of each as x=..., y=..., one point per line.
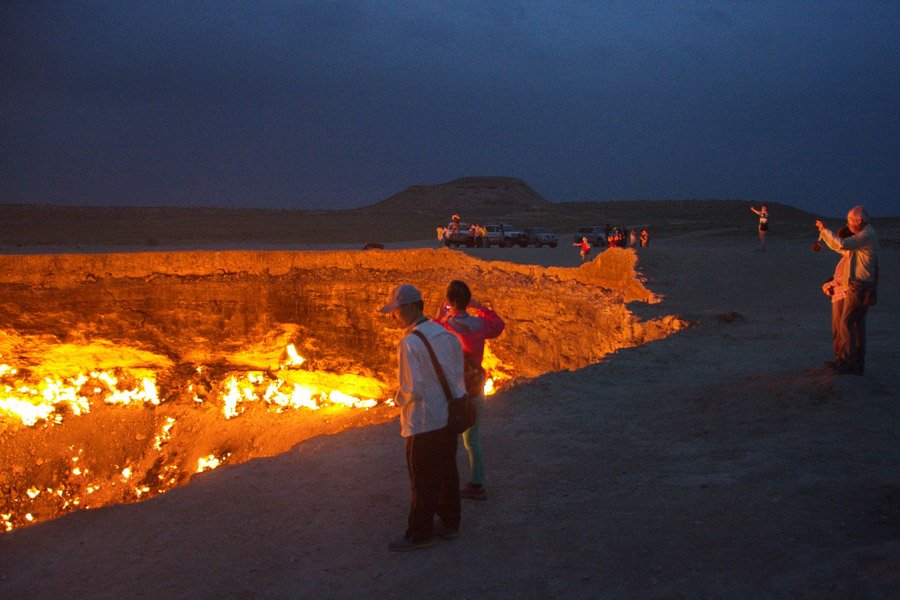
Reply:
x=446, y=533
x=845, y=369
x=837, y=367
x=405, y=545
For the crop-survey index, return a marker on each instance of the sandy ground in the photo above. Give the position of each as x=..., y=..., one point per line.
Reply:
x=722, y=462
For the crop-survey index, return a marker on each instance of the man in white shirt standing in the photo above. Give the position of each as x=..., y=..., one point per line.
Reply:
x=859, y=279
x=430, y=446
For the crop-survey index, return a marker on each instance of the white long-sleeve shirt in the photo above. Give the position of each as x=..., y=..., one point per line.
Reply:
x=423, y=404
x=862, y=249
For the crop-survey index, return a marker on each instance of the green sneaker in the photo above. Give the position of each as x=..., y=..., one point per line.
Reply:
x=473, y=492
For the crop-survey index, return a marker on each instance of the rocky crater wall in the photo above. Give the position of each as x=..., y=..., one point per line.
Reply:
x=195, y=321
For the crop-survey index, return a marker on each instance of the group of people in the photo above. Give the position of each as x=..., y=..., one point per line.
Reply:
x=455, y=228
x=452, y=342
x=615, y=238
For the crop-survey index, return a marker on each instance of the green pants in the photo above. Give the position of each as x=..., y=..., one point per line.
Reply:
x=472, y=441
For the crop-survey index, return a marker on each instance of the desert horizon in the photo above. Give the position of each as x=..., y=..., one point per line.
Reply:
x=412, y=214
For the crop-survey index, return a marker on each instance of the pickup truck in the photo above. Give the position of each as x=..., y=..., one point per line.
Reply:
x=538, y=236
x=504, y=236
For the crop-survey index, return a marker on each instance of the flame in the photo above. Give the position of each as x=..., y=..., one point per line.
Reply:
x=339, y=397
x=31, y=403
x=294, y=359
x=208, y=463
x=39, y=395
x=497, y=372
x=27, y=412
x=287, y=388
x=160, y=439
x=292, y=388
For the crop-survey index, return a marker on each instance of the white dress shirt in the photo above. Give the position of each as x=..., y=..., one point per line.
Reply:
x=423, y=403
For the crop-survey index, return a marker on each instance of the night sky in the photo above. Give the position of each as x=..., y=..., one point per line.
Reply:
x=341, y=104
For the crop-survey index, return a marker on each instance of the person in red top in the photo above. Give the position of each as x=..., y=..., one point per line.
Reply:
x=472, y=329
x=585, y=249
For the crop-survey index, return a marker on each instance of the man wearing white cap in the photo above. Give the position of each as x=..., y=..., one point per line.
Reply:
x=430, y=446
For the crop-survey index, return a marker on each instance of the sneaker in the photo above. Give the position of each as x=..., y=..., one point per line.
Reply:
x=445, y=533
x=837, y=367
x=845, y=369
x=405, y=545
x=473, y=492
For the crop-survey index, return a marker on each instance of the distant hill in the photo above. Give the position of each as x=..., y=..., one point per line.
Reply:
x=468, y=195
x=412, y=214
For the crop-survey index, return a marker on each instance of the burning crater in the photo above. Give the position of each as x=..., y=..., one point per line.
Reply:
x=124, y=375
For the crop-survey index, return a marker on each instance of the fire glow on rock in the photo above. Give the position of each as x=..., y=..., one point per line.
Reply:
x=124, y=376
x=44, y=395
x=39, y=396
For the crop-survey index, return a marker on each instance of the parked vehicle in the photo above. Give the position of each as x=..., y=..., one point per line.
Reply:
x=504, y=235
x=595, y=234
x=462, y=236
x=538, y=236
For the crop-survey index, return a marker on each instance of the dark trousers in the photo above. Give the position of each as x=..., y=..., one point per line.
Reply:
x=848, y=327
x=431, y=461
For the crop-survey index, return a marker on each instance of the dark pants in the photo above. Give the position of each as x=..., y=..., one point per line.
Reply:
x=848, y=327
x=431, y=461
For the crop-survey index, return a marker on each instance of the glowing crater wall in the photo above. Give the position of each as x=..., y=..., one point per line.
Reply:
x=196, y=321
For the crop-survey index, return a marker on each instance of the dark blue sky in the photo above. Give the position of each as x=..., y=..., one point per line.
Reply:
x=341, y=104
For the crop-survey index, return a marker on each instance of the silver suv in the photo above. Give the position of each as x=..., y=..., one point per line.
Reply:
x=504, y=235
x=538, y=236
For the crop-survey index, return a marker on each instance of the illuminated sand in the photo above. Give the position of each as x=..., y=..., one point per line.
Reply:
x=173, y=363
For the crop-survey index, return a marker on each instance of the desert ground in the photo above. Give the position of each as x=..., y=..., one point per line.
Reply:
x=721, y=462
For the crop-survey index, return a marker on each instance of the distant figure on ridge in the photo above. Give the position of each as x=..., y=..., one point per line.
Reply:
x=858, y=279
x=472, y=330
x=763, y=213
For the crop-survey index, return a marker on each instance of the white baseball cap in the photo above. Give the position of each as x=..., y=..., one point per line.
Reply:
x=400, y=295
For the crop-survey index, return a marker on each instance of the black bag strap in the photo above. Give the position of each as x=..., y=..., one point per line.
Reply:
x=437, y=365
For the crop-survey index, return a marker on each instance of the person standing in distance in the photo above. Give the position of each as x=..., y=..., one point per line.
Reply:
x=645, y=238
x=472, y=330
x=763, y=213
x=858, y=279
x=585, y=249
x=430, y=445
